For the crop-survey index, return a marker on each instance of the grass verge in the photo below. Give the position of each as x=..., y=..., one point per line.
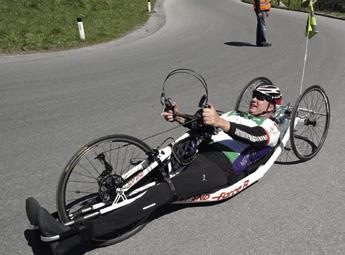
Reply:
x=296, y=5
x=39, y=25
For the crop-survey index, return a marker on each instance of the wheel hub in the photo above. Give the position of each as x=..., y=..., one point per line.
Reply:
x=310, y=122
x=108, y=186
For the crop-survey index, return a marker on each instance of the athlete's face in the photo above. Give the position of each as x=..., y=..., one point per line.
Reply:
x=260, y=106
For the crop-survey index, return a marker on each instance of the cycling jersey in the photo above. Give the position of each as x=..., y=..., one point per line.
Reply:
x=246, y=130
x=248, y=139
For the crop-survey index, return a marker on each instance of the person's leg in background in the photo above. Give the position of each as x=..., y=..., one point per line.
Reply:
x=261, y=29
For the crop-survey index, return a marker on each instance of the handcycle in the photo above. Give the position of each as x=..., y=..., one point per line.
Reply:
x=113, y=171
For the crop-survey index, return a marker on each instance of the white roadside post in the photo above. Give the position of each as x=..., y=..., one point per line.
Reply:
x=149, y=5
x=81, y=28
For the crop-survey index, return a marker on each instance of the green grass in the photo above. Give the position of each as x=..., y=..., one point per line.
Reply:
x=293, y=4
x=297, y=5
x=38, y=25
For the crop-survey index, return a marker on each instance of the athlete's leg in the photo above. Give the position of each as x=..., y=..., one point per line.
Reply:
x=203, y=175
x=154, y=198
x=150, y=201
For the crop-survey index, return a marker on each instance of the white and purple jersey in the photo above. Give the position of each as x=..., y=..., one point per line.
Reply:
x=249, y=139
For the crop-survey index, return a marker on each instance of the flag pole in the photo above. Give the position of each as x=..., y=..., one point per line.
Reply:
x=311, y=30
x=304, y=63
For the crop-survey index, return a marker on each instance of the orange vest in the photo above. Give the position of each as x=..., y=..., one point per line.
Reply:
x=264, y=5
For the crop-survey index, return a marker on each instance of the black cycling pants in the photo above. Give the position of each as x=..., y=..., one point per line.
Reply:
x=201, y=176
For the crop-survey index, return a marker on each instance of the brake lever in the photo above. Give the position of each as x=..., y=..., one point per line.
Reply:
x=168, y=105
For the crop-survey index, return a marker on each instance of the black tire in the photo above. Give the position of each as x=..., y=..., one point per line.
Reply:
x=122, y=234
x=312, y=113
x=78, y=186
x=243, y=101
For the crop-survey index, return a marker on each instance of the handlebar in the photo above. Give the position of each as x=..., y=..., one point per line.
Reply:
x=196, y=124
x=183, y=115
x=184, y=151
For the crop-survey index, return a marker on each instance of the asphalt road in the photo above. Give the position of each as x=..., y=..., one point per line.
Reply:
x=53, y=103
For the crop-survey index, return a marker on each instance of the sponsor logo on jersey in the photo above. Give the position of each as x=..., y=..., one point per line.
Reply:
x=250, y=137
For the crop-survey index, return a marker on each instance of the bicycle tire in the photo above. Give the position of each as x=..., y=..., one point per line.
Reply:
x=315, y=116
x=84, y=165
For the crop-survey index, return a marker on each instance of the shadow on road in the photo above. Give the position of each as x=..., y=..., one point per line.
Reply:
x=41, y=248
x=240, y=44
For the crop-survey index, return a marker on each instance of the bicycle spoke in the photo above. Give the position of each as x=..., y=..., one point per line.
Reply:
x=88, y=176
x=86, y=181
x=313, y=108
x=93, y=167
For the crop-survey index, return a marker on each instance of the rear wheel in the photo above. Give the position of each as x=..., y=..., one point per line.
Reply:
x=245, y=96
x=309, y=123
x=92, y=176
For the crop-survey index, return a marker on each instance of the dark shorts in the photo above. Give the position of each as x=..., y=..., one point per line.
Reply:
x=201, y=176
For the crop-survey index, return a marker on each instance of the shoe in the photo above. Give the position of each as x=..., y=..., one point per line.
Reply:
x=48, y=225
x=32, y=207
x=265, y=44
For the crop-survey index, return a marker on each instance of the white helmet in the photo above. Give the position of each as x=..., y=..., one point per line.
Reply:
x=270, y=92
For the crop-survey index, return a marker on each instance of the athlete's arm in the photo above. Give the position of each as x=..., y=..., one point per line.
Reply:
x=255, y=136
x=265, y=134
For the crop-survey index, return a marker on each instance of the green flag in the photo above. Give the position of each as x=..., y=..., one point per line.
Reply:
x=311, y=28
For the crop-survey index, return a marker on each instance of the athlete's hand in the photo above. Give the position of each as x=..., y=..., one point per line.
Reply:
x=169, y=115
x=212, y=118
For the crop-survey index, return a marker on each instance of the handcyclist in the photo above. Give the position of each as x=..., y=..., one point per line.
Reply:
x=244, y=139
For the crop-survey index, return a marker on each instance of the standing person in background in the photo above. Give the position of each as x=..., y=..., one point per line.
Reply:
x=262, y=9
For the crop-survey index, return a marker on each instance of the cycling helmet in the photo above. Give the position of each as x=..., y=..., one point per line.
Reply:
x=270, y=92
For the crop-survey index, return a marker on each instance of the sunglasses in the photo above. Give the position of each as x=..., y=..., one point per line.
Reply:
x=261, y=97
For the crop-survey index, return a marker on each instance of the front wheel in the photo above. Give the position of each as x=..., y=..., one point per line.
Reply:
x=92, y=176
x=309, y=123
